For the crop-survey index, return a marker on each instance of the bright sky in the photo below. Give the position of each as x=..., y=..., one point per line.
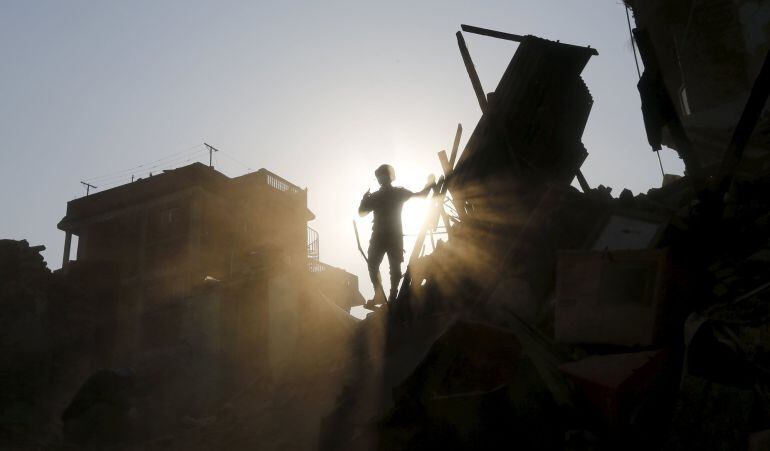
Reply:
x=320, y=93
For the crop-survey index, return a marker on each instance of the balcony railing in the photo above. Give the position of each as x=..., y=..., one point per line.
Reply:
x=312, y=244
x=316, y=266
x=280, y=183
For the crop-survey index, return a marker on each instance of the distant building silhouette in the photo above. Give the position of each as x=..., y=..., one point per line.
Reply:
x=193, y=256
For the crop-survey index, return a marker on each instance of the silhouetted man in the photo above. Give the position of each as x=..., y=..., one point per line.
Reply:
x=387, y=233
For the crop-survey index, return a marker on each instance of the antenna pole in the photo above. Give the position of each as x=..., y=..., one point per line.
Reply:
x=88, y=187
x=212, y=149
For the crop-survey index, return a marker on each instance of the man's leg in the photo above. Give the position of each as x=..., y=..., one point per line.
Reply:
x=376, y=253
x=395, y=257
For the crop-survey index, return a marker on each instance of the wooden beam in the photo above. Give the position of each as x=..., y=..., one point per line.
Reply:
x=492, y=33
x=582, y=181
x=430, y=223
x=475, y=82
x=455, y=146
x=507, y=36
x=448, y=167
x=745, y=127
x=445, y=166
x=430, y=220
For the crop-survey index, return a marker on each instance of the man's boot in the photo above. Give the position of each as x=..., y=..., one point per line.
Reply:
x=379, y=292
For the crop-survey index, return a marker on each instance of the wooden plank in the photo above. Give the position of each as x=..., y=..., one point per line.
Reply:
x=455, y=146
x=448, y=167
x=430, y=220
x=582, y=181
x=492, y=33
x=507, y=36
x=445, y=166
x=475, y=82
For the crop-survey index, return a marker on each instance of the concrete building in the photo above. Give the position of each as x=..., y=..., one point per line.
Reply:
x=191, y=257
x=177, y=228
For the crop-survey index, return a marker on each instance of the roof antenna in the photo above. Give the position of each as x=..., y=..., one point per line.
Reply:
x=212, y=149
x=88, y=187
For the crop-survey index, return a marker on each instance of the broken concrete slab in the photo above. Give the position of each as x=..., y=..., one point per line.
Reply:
x=613, y=298
x=474, y=389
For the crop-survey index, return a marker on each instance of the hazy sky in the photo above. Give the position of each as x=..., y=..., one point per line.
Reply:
x=319, y=92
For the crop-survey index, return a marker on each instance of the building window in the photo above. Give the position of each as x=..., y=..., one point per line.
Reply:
x=171, y=216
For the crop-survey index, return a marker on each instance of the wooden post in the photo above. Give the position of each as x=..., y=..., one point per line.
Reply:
x=457, y=200
x=582, y=181
x=445, y=166
x=455, y=146
x=480, y=96
x=437, y=202
x=492, y=33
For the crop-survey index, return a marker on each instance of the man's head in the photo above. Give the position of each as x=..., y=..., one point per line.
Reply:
x=385, y=174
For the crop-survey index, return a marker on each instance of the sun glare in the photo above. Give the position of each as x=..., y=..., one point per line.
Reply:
x=414, y=214
x=415, y=210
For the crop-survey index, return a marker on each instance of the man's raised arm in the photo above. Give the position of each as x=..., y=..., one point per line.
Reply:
x=365, y=207
x=428, y=186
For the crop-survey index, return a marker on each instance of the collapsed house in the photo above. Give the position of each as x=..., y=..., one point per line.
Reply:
x=558, y=318
x=47, y=329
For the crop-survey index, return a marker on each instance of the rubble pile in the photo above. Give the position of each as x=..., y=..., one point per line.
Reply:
x=48, y=328
x=63, y=385
x=554, y=318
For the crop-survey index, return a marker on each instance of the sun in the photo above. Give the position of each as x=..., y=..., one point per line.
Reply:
x=414, y=215
x=415, y=210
